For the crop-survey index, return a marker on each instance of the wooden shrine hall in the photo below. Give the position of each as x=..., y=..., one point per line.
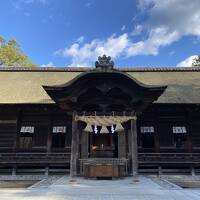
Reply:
x=101, y=122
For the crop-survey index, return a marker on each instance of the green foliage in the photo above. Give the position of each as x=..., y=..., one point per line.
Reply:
x=196, y=62
x=12, y=55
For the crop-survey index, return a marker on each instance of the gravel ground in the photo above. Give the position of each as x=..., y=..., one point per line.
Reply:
x=42, y=181
x=60, y=188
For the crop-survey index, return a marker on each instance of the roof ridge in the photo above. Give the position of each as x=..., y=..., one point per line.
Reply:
x=83, y=69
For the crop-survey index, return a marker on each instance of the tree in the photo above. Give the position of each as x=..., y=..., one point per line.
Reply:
x=14, y=43
x=2, y=41
x=11, y=54
x=196, y=62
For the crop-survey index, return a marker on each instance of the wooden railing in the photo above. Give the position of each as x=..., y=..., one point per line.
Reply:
x=169, y=158
x=26, y=158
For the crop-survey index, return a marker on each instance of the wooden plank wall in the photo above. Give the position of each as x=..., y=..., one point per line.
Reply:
x=8, y=130
x=162, y=117
x=42, y=119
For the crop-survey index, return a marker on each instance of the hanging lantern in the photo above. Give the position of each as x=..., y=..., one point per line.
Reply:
x=104, y=130
x=88, y=128
x=119, y=127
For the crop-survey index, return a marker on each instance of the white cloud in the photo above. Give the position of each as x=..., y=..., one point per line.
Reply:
x=137, y=30
x=123, y=28
x=187, y=62
x=50, y=64
x=166, y=22
x=85, y=54
x=158, y=37
x=144, y=4
x=80, y=39
x=181, y=16
x=115, y=46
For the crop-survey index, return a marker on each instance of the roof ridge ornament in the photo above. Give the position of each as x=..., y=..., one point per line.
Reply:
x=104, y=63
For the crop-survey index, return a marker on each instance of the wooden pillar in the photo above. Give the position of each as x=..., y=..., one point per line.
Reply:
x=121, y=144
x=134, y=148
x=189, y=140
x=189, y=135
x=156, y=129
x=156, y=137
x=49, y=135
x=49, y=139
x=17, y=135
x=129, y=143
x=84, y=144
x=74, y=148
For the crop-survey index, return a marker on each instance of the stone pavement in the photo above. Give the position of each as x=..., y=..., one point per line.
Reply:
x=125, y=189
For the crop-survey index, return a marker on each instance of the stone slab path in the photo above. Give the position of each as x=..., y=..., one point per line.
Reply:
x=125, y=189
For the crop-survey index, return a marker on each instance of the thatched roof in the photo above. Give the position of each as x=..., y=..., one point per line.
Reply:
x=24, y=85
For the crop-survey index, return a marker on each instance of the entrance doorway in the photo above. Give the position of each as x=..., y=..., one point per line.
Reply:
x=103, y=145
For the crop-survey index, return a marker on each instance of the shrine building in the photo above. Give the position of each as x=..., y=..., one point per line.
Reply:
x=101, y=122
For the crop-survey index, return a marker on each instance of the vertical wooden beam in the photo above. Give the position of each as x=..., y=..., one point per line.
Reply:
x=129, y=143
x=91, y=144
x=134, y=148
x=129, y=156
x=49, y=135
x=74, y=148
x=17, y=135
x=157, y=143
x=156, y=134
x=84, y=144
x=16, y=145
x=156, y=137
x=121, y=144
x=189, y=139
x=189, y=135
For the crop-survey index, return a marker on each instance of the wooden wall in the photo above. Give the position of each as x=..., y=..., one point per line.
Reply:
x=161, y=116
x=41, y=118
x=8, y=130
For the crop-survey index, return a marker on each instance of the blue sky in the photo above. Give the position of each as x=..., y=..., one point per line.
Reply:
x=132, y=32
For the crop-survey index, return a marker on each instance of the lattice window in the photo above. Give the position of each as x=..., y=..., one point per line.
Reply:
x=147, y=129
x=179, y=129
x=27, y=129
x=59, y=129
